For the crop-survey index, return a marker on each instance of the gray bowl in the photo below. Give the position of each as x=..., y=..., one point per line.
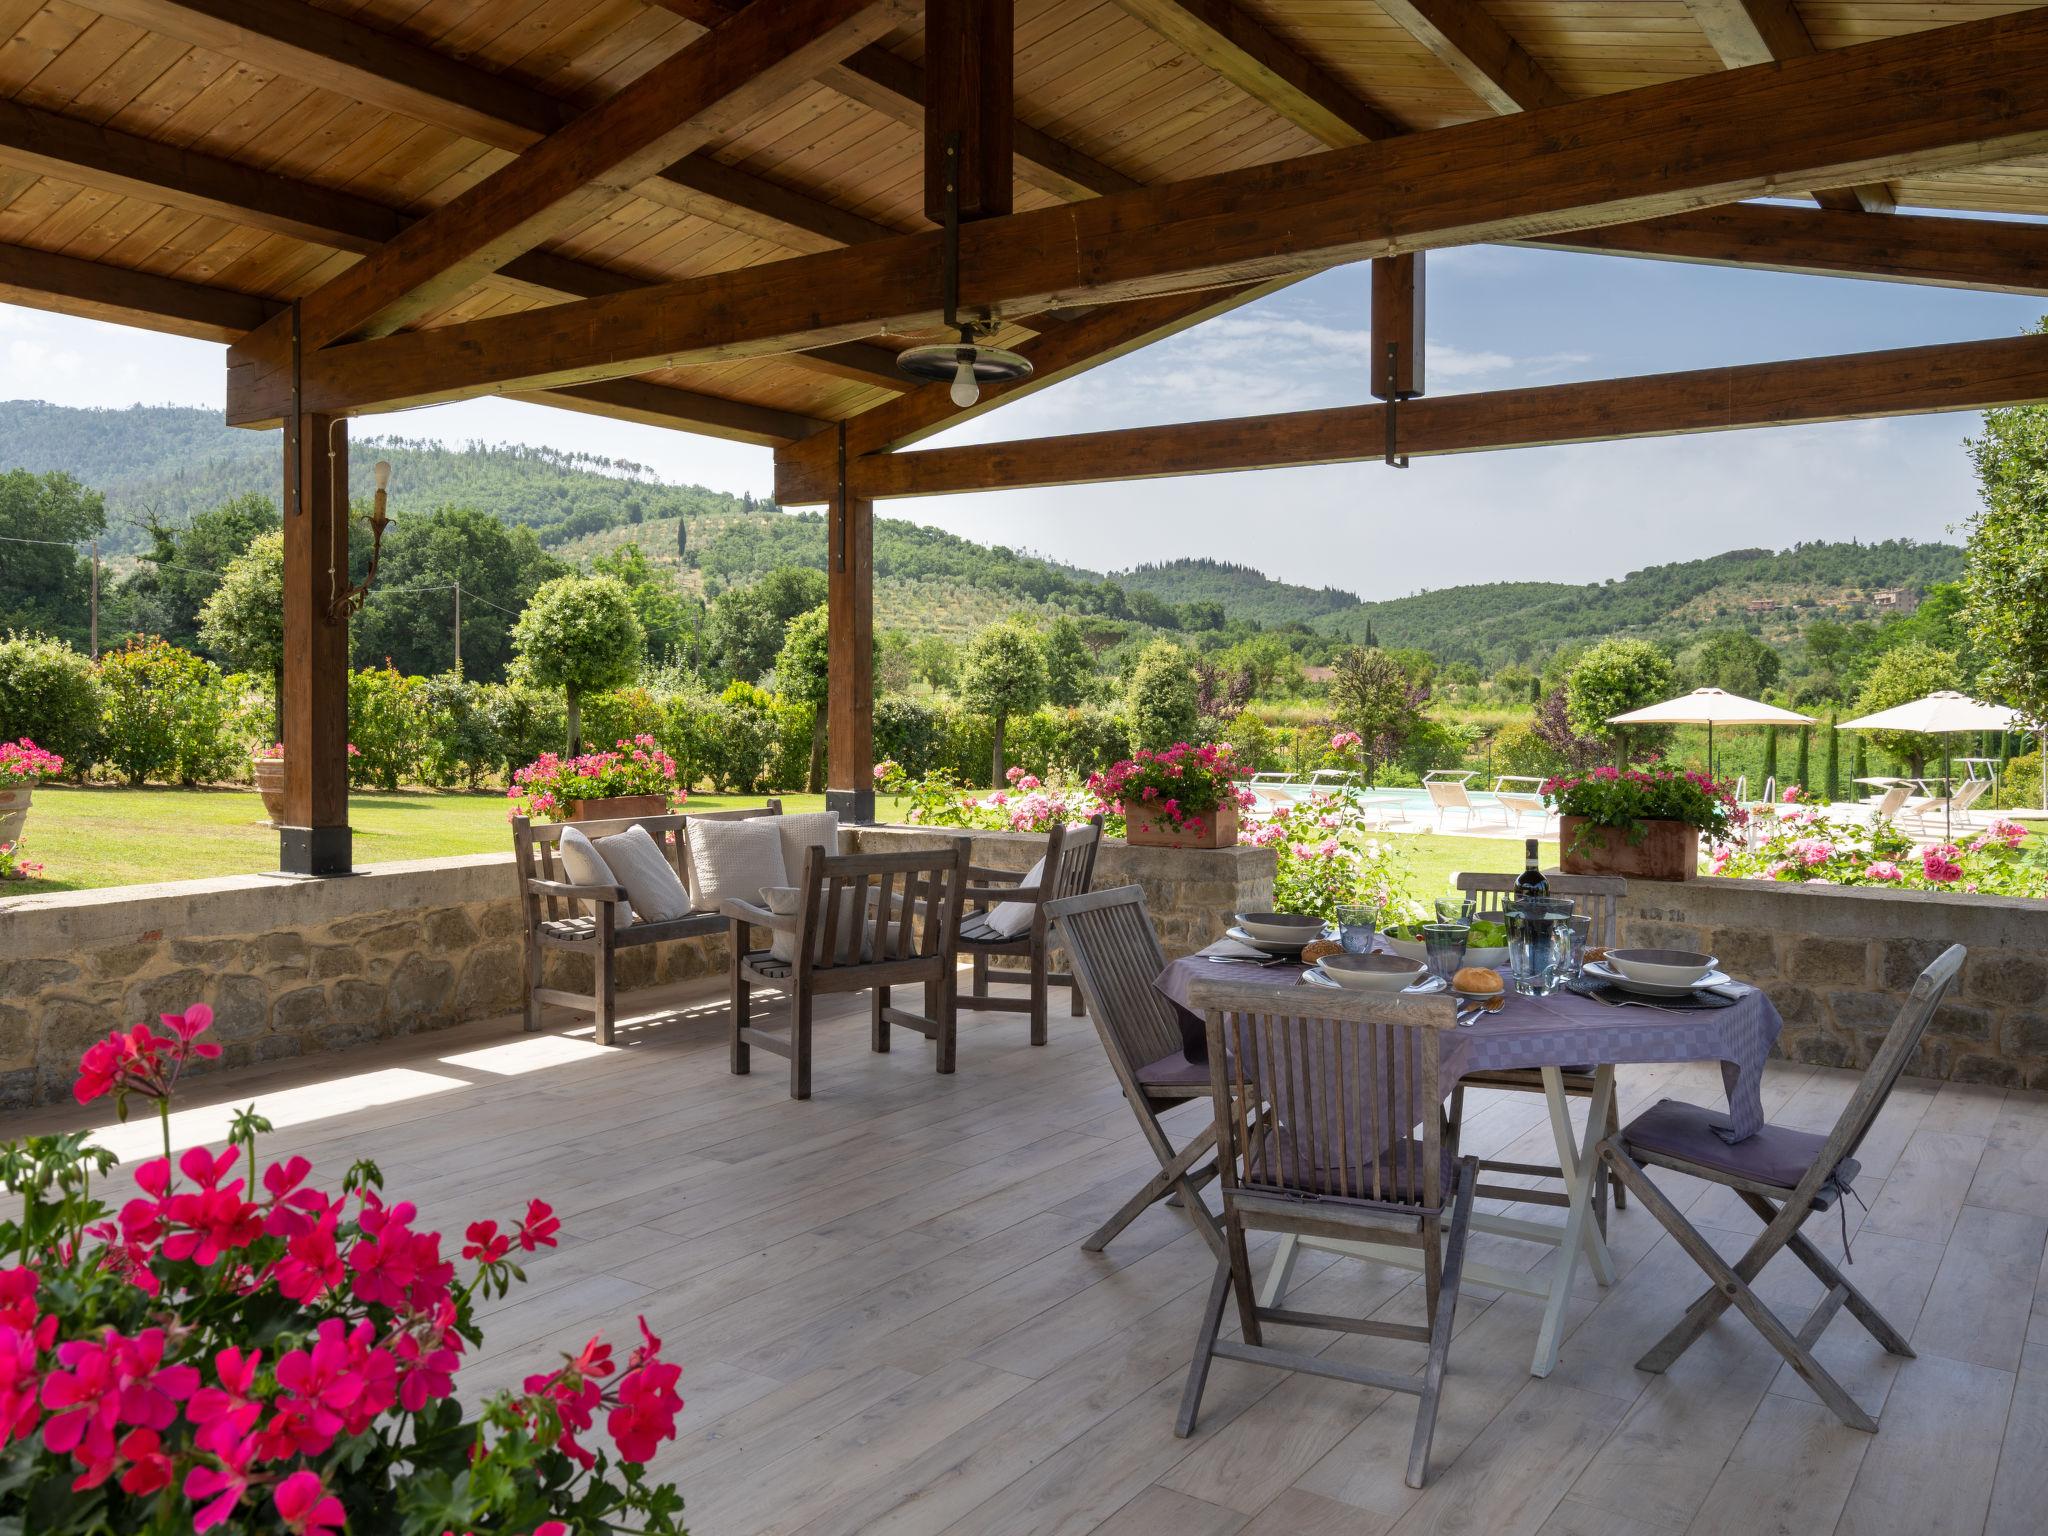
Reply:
x=1281, y=927
x=1662, y=967
x=1371, y=973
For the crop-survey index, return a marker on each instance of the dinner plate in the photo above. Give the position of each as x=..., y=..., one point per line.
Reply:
x=1315, y=977
x=1599, y=970
x=1268, y=946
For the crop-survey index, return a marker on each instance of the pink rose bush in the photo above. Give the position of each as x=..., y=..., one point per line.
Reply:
x=1809, y=845
x=245, y=1352
x=1027, y=803
x=544, y=788
x=1328, y=857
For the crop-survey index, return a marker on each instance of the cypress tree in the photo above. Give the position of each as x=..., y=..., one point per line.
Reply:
x=1805, y=753
x=1862, y=766
x=1834, y=783
x=1770, y=752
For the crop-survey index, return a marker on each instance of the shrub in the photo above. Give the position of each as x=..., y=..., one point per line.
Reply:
x=1087, y=739
x=462, y=746
x=742, y=740
x=2020, y=782
x=621, y=714
x=523, y=723
x=1611, y=679
x=579, y=634
x=168, y=715
x=910, y=734
x=1163, y=704
x=798, y=736
x=1517, y=749
x=1328, y=858
x=389, y=724
x=1253, y=743
x=50, y=692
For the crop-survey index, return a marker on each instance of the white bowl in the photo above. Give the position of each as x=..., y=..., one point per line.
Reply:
x=1662, y=967
x=1371, y=973
x=1281, y=927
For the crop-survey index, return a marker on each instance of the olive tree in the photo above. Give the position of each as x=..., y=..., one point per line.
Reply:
x=1003, y=675
x=243, y=621
x=579, y=634
x=2006, y=581
x=1372, y=693
x=1611, y=679
x=1164, y=702
x=1902, y=674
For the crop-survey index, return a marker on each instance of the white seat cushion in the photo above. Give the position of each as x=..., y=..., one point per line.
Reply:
x=582, y=864
x=638, y=864
x=1011, y=918
x=734, y=860
x=800, y=834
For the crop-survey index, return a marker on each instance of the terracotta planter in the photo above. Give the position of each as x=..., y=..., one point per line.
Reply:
x=1669, y=850
x=14, y=811
x=1219, y=830
x=618, y=807
x=270, y=785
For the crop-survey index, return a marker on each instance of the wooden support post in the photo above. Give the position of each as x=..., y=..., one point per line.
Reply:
x=850, y=694
x=1397, y=323
x=314, y=837
x=969, y=48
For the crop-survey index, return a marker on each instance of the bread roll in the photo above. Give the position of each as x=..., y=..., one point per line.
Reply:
x=1481, y=984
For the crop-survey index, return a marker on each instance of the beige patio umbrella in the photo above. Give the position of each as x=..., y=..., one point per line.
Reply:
x=1943, y=713
x=1711, y=707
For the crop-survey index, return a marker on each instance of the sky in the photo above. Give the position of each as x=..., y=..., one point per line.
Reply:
x=1498, y=317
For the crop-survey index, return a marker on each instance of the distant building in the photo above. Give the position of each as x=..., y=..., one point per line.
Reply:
x=1899, y=600
x=1318, y=674
x=1762, y=605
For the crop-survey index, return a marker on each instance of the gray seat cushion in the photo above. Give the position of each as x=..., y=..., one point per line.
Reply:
x=1174, y=1071
x=1323, y=1171
x=1776, y=1155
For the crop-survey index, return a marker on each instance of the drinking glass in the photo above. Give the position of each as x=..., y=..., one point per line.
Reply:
x=1580, y=935
x=1443, y=946
x=1454, y=909
x=1535, y=940
x=1355, y=928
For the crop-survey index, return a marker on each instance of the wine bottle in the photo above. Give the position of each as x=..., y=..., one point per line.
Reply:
x=1530, y=883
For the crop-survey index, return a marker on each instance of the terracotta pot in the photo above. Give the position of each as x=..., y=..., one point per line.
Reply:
x=270, y=785
x=1669, y=850
x=618, y=807
x=1219, y=830
x=14, y=811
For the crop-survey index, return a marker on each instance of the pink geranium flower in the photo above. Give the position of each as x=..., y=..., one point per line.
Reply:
x=306, y=1507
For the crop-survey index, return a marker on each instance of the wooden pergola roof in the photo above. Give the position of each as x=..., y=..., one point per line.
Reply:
x=720, y=216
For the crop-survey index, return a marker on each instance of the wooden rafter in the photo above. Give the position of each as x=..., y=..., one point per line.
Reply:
x=1746, y=32
x=1971, y=94
x=1965, y=376
x=1479, y=51
x=97, y=291
x=970, y=108
x=661, y=405
x=676, y=108
x=1255, y=59
x=303, y=42
x=1398, y=309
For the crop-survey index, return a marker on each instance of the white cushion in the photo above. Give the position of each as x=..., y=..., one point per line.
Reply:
x=638, y=864
x=787, y=901
x=734, y=860
x=582, y=864
x=1011, y=918
x=801, y=833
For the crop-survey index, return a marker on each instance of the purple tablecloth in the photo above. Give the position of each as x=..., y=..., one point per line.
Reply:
x=1566, y=1029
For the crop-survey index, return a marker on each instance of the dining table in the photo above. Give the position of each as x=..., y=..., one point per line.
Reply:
x=1564, y=1030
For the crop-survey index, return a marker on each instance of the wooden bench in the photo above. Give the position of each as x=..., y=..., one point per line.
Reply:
x=549, y=904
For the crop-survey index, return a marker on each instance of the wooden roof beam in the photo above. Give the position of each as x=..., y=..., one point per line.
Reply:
x=1971, y=94
x=94, y=290
x=1480, y=52
x=679, y=106
x=1260, y=63
x=1746, y=32
x=661, y=405
x=338, y=53
x=1964, y=376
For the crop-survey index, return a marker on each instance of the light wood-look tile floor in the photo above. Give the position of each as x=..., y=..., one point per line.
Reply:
x=888, y=1325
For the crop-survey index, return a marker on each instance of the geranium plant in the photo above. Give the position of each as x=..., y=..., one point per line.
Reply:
x=1607, y=797
x=1183, y=785
x=249, y=1353
x=1328, y=857
x=545, y=788
x=23, y=762
x=16, y=865
x=1807, y=846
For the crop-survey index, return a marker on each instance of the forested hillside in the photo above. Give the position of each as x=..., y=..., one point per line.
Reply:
x=1247, y=593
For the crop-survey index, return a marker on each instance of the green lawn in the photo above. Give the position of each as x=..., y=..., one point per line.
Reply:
x=109, y=835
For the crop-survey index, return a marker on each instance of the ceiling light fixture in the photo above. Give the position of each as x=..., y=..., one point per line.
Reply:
x=966, y=364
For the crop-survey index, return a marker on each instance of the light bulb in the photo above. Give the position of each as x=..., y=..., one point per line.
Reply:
x=966, y=389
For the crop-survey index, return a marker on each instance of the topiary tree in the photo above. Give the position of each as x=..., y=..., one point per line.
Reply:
x=1373, y=695
x=1611, y=679
x=579, y=634
x=803, y=675
x=243, y=621
x=1902, y=674
x=1068, y=664
x=1164, y=702
x=1004, y=675
x=50, y=694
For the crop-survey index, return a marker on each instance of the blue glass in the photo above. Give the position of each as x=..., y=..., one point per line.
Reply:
x=1355, y=928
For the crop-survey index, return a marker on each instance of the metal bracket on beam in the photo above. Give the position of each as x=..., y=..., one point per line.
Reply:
x=1394, y=399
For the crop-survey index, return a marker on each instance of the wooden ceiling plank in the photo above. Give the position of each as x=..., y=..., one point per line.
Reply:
x=859, y=361
x=1970, y=94
x=680, y=106
x=395, y=75
x=1480, y=52
x=660, y=405
x=1910, y=381
x=97, y=291
x=1258, y=62
x=1747, y=32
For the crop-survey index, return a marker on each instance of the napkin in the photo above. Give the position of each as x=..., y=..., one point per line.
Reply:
x=1236, y=949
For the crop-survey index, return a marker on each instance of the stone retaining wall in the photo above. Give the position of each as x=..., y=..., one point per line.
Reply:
x=1838, y=963
x=292, y=966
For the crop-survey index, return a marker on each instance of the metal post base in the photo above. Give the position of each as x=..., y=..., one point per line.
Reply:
x=314, y=851
x=856, y=807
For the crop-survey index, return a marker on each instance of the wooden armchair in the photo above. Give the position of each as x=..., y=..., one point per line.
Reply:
x=549, y=905
x=1069, y=870
x=864, y=922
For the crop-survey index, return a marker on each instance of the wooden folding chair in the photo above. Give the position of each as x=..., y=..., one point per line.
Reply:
x=1332, y=1125
x=1069, y=871
x=1597, y=897
x=1784, y=1176
x=866, y=922
x=1116, y=958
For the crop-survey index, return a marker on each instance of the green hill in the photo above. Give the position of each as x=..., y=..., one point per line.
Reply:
x=1244, y=592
